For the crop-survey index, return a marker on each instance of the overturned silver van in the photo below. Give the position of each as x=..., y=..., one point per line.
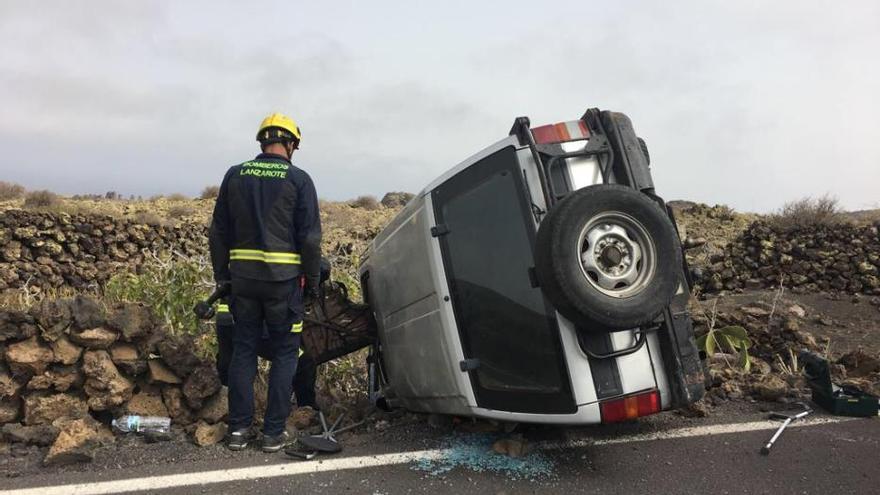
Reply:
x=541, y=281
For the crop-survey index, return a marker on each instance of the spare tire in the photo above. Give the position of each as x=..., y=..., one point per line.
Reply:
x=608, y=258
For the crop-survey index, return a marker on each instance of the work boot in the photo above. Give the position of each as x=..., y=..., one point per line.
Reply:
x=239, y=439
x=274, y=443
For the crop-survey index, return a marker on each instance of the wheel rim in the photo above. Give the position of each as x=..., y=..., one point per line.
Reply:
x=618, y=257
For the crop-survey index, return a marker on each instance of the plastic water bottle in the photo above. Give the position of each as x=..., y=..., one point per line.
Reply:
x=142, y=424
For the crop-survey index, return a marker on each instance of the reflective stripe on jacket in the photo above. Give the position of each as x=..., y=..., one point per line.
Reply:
x=266, y=224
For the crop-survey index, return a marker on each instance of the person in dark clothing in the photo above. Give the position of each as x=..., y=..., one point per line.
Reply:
x=265, y=240
x=306, y=367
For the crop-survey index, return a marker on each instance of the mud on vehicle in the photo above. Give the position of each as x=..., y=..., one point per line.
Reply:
x=541, y=280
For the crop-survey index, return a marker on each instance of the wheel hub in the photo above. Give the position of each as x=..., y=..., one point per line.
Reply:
x=616, y=254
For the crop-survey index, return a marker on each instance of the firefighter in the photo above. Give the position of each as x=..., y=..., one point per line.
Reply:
x=265, y=241
x=306, y=368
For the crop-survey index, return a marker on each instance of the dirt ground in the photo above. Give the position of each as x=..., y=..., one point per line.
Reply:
x=839, y=321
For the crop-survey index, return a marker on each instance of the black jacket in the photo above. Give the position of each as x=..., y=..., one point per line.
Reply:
x=266, y=224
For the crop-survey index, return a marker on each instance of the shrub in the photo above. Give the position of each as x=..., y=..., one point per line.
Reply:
x=10, y=190
x=148, y=218
x=113, y=195
x=396, y=199
x=42, y=200
x=807, y=212
x=171, y=286
x=365, y=202
x=210, y=192
x=180, y=211
x=177, y=197
x=155, y=197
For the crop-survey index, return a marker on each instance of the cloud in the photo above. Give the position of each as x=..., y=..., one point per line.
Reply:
x=748, y=103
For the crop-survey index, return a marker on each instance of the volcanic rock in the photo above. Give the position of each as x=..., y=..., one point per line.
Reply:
x=42, y=435
x=16, y=325
x=770, y=388
x=54, y=316
x=200, y=384
x=61, y=378
x=859, y=363
x=159, y=373
x=147, y=402
x=65, y=351
x=87, y=313
x=207, y=434
x=104, y=385
x=126, y=357
x=216, y=408
x=29, y=356
x=132, y=320
x=77, y=441
x=10, y=409
x=176, y=405
x=40, y=409
x=94, y=338
x=176, y=352
x=9, y=385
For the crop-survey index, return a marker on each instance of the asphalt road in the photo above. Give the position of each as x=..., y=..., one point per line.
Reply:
x=658, y=457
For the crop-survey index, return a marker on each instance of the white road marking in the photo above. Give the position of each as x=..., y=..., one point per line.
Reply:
x=154, y=483
x=696, y=431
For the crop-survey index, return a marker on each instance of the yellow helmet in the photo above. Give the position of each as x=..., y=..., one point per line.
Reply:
x=277, y=128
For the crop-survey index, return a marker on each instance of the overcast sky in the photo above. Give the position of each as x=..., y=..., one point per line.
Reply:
x=749, y=103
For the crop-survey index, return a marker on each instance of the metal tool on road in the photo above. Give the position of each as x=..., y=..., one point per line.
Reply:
x=765, y=450
x=315, y=444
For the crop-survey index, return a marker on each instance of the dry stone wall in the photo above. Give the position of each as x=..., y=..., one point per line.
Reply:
x=75, y=359
x=53, y=250
x=843, y=257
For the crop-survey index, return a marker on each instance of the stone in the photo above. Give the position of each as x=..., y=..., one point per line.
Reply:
x=770, y=388
x=10, y=410
x=40, y=409
x=147, y=402
x=65, y=351
x=177, y=353
x=160, y=373
x=16, y=325
x=53, y=316
x=29, y=356
x=42, y=435
x=790, y=324
x=9, y=385
x=132, y=320
x=87, y=313
x=859, y=363
x=207, y=434
x=202, y=383
x=759, y=366
x=127, y=358
x=104, y=385
x=60, y=378
x=216, y=408
x=755, y=311
x=303, y=418
x=78, y=441
x=514, y=446
x=174, y=402
x=94, y=338
x=796, y=310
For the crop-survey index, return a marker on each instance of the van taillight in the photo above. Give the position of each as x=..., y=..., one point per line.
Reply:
x=561, y=132
x=631, y=407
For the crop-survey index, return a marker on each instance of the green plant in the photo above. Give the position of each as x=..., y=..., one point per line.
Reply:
x=733, y=339
x=171, y=285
